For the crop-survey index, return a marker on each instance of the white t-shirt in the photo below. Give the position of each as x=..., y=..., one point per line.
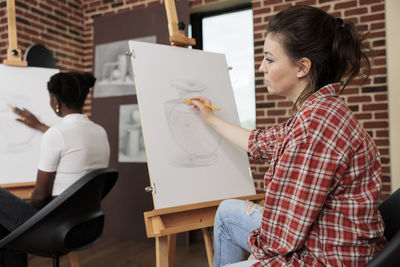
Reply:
x=73, y=148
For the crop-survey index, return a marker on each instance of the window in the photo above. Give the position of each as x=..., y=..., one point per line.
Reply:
x=231, y=32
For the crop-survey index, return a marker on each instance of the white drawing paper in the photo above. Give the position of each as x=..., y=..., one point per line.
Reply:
x=188, y=161
x=19, y=144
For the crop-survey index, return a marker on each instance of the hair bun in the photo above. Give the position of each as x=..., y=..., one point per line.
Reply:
x=88, y=79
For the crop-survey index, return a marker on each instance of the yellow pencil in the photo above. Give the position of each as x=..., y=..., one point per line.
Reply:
x=13, y=109
x=188, y=100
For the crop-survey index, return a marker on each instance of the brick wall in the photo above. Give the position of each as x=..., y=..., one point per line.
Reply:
x=66, y=28
x=56, y=24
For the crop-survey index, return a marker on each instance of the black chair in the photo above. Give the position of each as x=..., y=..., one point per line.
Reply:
x=72, y=221
x=390, y=211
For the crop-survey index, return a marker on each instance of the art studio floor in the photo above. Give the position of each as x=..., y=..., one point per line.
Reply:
x=111, y=253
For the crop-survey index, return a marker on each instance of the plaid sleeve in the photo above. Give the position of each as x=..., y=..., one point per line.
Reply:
x=262, y=143
x=294, y=197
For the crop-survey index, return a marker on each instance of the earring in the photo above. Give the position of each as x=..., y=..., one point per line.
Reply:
x=57, y=109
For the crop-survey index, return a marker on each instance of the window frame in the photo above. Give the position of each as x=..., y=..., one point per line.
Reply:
x=196, y=20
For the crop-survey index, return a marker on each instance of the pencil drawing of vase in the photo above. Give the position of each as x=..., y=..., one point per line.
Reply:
x=198, y=143
x=14, y=136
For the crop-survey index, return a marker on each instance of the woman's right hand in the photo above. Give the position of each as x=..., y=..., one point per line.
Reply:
x=30, y=120
x=198, y=102
x=233, y=133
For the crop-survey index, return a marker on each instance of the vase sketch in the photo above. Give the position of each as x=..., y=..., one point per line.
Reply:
x=198, y=143
x=14, y=136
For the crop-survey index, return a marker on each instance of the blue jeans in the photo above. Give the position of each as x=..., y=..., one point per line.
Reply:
x=234, y=221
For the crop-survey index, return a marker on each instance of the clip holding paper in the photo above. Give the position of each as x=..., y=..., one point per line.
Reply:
x=150, y=188
x=130, y=53
x=250, y=173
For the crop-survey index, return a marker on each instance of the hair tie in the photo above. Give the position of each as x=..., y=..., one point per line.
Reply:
x=339, y=22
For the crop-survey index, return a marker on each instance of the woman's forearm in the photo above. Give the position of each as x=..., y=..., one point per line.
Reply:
x=38, y=200
x=42, y=194
x=233, y=133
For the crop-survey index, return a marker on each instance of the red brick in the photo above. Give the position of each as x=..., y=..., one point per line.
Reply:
x=266, y=121
x=381, y=115
x=383, y=151
x=285, y=104
x=382, y=133
x=256, y=20
x=307, y=2
x=368, y=2
x=379, y=61
x=382, y=142
x=350, y=91
x=374, y=17
x=380, y=97
x=375, y=124
x=378, y=25
x=356, y=11
x=277, y=112
x=378, y=8
x=261, y=11
x=378, y=71
x=272, y=2
x=376, y=34
x=345, y=5
x=281, y=7
x=369, y=107
x=363, y=116
x=45, y=7
x=275, y=97
x=358, y=99
x=260, y=113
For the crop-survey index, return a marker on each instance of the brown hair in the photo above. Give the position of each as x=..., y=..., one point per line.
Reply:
x=334, y=48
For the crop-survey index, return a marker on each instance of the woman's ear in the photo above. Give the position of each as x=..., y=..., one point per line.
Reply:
x=304, y=65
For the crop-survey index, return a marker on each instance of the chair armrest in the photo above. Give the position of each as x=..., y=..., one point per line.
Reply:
x=389, y=256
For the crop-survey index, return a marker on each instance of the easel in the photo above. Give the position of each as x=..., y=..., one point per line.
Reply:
x=22, y=190
x=13, y=53
x=165, y=224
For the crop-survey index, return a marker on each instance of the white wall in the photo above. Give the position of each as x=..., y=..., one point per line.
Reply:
x=393, y=57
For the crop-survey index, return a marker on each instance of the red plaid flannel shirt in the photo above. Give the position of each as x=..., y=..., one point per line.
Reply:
x=322, y=188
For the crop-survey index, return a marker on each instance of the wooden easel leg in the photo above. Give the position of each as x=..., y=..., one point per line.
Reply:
x=73, y=259
x=171, y=249
x=207, y=235
x=162, y=251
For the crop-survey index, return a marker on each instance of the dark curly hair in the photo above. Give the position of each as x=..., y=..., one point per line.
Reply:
x=71, y=88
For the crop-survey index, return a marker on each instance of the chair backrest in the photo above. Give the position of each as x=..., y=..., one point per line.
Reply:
x=390, y=211
x=72, y=221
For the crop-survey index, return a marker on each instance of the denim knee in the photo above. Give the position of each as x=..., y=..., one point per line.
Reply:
x=228, y=206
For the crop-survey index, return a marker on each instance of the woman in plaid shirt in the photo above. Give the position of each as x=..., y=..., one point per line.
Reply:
x=323, y=184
